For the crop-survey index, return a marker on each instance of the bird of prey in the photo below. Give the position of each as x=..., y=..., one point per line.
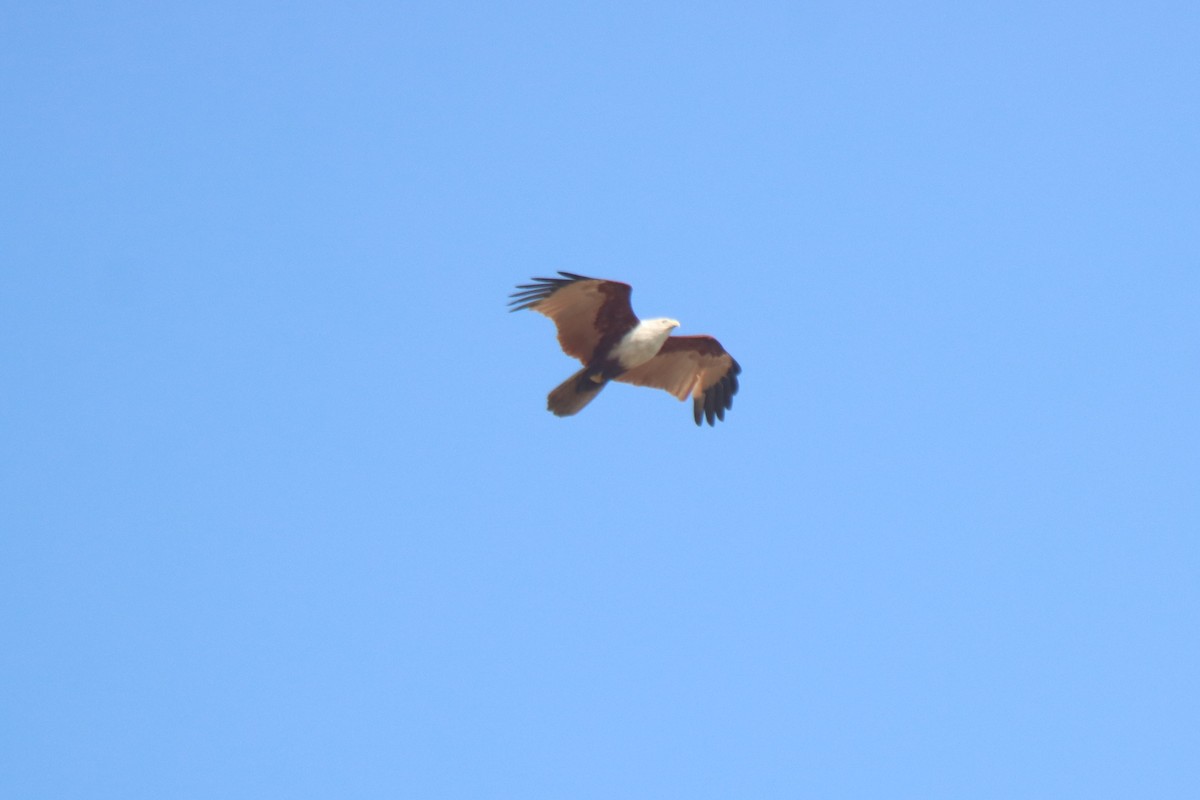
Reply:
x=597, y=326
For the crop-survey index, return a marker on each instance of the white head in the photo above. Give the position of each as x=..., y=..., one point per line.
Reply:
x=666, y=324
x=643, y=342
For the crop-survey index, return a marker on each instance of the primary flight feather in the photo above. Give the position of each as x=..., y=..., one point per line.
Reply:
x=597, y=326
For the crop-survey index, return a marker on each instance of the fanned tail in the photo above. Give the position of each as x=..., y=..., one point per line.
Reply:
x=573, y=394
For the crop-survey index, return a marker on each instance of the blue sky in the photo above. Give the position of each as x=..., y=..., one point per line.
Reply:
x=283, y=512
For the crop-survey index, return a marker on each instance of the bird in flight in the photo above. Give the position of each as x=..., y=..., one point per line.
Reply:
x=597, y=325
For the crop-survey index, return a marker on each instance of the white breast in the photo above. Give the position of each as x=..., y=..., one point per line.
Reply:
x=641, y=344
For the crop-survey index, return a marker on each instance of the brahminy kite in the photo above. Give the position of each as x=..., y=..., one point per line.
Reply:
x=597, y=325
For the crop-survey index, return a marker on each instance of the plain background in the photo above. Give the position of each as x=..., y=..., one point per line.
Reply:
x=283, y=513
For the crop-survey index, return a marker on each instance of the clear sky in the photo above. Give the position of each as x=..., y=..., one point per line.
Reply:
x=282, y=513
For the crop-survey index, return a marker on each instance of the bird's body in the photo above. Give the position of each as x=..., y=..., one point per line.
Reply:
x=597, y=325
x=643, y=342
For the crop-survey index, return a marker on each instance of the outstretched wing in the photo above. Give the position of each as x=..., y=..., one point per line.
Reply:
x=692, y=365
x=587, y=311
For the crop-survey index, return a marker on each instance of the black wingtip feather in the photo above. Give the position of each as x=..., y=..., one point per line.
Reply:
x=718, y=399
x=530, y=294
